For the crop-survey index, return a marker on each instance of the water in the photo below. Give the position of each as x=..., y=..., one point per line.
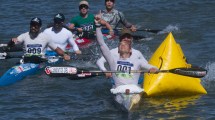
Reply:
x=42, y=97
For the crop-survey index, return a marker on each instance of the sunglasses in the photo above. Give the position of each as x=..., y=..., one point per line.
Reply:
x=58, y=22
x=83, y=6
x=36, y=25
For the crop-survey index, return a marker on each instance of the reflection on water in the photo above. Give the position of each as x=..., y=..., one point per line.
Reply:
x=166, y=107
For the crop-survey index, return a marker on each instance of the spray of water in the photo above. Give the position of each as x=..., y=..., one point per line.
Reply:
x=170, y=28
x=209, y=80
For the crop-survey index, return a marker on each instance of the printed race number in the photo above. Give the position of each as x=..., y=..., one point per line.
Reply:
x=34, y=50
x=87, y=28
x=123, y=68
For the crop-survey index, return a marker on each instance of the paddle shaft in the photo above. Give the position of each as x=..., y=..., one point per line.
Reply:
x=191, y=72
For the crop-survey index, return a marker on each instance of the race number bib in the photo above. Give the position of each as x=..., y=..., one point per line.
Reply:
x=88, y=27
x=124, y=66
x=34, y=49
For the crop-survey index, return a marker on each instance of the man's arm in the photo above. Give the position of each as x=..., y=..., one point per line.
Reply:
x=62, y=53
x=126, y=23
x=150, y=68
x=57, y=49
x=101, y=63
x=104, y=48
x=141, y=57
x=73, y=44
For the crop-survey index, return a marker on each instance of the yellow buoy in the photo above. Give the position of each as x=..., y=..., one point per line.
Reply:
x=169, y=55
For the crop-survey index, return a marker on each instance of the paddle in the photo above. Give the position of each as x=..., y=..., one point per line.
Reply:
x=26, y=59
x=74, y=73
x=6, y=48
x=135, y=37
x=147, y=30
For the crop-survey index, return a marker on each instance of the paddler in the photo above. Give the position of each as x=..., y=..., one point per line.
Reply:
x=115, y=17
x=35, y=42
x=84, y=22
x=125, y=62
x=126, y=36
x=60, y=35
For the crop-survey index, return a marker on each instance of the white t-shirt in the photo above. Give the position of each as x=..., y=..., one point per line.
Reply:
x=36, y=46
x=62, y=38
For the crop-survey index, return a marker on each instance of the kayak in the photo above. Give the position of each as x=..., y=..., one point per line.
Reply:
x=127, y=101
x=169, y=55
x=19, y=72
x=127, y=96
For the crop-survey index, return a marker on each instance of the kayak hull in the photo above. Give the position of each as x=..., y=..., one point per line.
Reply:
x=169, y=55
x=127, y=101
x=18, y=73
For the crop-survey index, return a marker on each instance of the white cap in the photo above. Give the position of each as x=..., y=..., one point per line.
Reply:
x=83, y=2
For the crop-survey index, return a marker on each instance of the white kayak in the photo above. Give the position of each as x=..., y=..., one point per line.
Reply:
x=126, y=96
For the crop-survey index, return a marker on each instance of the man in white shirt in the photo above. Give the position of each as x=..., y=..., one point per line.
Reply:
x=60, y=35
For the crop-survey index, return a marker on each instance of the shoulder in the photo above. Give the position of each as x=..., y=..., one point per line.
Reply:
x=23, y=35
x=103, y=11
x=44, y=36
x=116, y=11
x=137, y=52
x=66, y=31
x=90, y=15
x=76, y=18
x=114, y=50
x=47, y=30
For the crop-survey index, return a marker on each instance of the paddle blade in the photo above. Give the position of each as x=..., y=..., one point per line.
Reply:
x=196, y=72
x=60, y=71
x=3, y=56
x=70, y=72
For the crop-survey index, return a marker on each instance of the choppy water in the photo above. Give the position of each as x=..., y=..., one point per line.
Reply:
x=41, y=97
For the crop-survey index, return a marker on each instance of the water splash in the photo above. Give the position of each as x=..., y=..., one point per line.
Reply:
x=209, y=80
x=146, y=39
x=211, y=70
x=170, y=28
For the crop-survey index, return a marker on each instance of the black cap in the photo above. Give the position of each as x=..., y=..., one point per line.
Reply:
x=36, y=21
x=59, y=18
